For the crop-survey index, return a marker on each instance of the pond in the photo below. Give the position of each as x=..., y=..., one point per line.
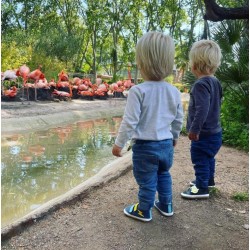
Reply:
x=39, y=166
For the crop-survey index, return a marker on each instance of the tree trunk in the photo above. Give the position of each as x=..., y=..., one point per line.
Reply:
x=115, y=64
x=136, y=75
x=216, y=13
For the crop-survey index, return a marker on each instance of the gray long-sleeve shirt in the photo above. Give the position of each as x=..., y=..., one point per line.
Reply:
x=153, y=112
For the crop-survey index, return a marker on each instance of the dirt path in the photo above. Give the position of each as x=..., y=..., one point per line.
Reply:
x=97, y=222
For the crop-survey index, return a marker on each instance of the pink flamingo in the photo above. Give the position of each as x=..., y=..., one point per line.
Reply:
x=9, y=75
x=23, y=72
x=36, y=75
x=63, y=93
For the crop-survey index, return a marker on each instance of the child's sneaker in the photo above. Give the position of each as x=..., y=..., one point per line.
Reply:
x=134, y=212
x=166, y=210
x=211, y=183
x=195, y=193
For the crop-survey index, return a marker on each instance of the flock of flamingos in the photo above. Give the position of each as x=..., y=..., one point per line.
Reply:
x=35, y=83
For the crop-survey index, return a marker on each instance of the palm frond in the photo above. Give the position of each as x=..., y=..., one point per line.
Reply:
x=188, y=78
x=227, y=33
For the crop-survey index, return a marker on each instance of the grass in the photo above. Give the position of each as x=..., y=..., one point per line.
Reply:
x=214, y=191
x=242, y=196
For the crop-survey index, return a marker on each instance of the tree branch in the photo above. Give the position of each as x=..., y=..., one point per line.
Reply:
x=216, y=13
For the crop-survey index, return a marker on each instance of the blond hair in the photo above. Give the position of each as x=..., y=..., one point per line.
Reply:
x=155, y=55
x=205, y=56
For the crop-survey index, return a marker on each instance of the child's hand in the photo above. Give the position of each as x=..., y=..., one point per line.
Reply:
x=116, y=151
x=193, y=136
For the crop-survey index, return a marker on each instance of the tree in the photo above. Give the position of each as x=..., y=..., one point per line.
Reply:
x=117, y=12
x=216, y=13
x=232, y=36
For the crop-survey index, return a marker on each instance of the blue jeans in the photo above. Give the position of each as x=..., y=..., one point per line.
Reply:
x=151, y=163
x=203, y=157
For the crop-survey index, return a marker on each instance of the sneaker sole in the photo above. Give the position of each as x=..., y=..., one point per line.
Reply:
x=163, y=213
x=197, y=196
x=135, y=217
x=192, y=184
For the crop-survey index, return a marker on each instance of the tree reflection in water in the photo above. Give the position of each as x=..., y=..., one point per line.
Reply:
x=42, y=165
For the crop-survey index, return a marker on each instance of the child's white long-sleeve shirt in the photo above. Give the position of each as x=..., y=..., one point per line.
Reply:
x=153, y=112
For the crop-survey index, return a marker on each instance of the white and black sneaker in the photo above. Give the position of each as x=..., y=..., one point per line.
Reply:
x=195, y=193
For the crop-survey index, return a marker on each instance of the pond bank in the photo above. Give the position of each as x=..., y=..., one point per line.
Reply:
x=17, y=117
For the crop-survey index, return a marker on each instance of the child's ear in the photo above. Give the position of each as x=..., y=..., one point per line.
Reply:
x=194, y=67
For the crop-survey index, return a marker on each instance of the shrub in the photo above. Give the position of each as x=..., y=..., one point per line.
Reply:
x=235, y=128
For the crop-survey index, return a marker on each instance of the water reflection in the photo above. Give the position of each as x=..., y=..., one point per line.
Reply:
x=39, y=166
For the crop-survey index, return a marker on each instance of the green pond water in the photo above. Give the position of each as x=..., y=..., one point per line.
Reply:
x=39, y=166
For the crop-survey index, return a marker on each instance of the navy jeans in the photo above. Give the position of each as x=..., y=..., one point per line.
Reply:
x=203, y=157
x=151, y=163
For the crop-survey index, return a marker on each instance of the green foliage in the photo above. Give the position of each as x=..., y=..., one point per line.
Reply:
x=234, y=120
x=243, y=196
x=13, y=56
x=181, y=86
x=234, y=76
x=215, y=192
x=9, y=84
x=170, y=78
x=87, y=35
x=189, y=79
x=50, y=66
x=236, y=134
x=227, y=33
x=184, y=130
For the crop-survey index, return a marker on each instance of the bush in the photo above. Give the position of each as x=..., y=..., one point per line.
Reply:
x=235, y=128
x=236, y=135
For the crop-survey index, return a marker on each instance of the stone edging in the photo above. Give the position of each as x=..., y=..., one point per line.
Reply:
x=22, y=124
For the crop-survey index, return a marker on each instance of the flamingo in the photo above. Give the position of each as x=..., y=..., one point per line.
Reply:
x=12, y=92
x=83, y=87
x=77, y=81
x=36, y=75
x=43, y=83
x=88, y=93
x=128, y=84
x=63, y=81
x=23, y=72
x=63, y=93
x=8, y=75
x=102, y=89
x=62, y=84
x=37, y=150
x=52, y=83
x=63, y=76
x=98, y=81
x=87, y=82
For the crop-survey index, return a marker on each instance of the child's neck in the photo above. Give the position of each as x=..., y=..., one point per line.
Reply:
x=203, y=75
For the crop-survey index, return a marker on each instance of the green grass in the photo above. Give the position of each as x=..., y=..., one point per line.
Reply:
x=214, y=191
x=243, y=196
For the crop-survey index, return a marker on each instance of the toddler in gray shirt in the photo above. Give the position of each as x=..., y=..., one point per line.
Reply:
x=153, y=120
